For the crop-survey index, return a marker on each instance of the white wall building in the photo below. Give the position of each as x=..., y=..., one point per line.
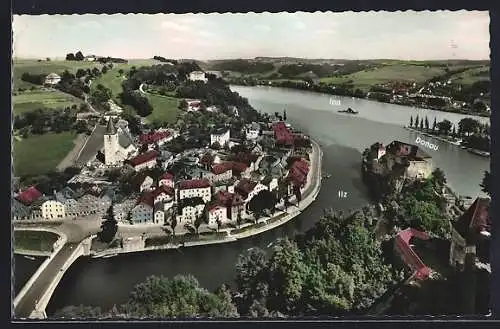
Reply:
x=222, y=137
x=144, y=160
x=52, y=209
x=142, y=213
x=147, y=184
x=118, y=146
x=189, y=214
x=252, y=131
x=167, y=180
x=197, y=76
x=52, y=79
x=217, y=213
x=194, y=188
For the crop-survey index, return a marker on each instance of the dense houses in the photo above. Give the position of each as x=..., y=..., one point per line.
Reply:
x=212, y=185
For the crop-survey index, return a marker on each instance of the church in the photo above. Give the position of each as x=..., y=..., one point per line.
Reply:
x=118, y=145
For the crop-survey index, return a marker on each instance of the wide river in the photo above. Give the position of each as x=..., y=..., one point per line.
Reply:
x=104, y=282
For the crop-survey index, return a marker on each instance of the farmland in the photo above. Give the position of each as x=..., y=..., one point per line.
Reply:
x=42, y=98
x=39, y=154
x=165, y=109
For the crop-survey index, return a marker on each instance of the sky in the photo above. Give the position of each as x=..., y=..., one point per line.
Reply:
x=406, y=35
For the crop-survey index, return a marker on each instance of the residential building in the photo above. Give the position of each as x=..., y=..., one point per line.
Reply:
x=282, y=134
x=298, y=173
x=248, y=189
x=167, y=180
x=220, y=136
x=52, y=209
x=222, y=172
x=194, y=188
x=228, y=206
x=144, y=160
x=118, y=145
x=417, y=162
x=404, y=249
x=28, y=196
x=217, y=213
x=252, y=131
x=163, y=194
x=471, y=234
x=270, y=182
x=142, y=213
x=189, y=209
x=122, y=209
x=143, y=182
x=159, y=215
x=52, y=79
x=197, y=76
x=156, y=138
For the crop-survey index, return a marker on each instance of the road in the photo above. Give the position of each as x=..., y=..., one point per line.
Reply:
x=94, y=143
x=27, y=304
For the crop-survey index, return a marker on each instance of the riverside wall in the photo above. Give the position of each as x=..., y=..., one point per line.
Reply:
x=57, y=247
x=317, y=152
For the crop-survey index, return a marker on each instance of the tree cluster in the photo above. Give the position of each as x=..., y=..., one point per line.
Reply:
x=40, y=121
x=244, y=66
x=75, y=57
x=37, y=79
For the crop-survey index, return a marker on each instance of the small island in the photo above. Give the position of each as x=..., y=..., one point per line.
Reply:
x=349, y=111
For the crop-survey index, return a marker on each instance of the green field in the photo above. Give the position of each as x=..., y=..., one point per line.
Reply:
x=112, y=80
x=470, y=76
x=39, y=154
x=165, y=109
x=34, y=99
x=400, y=72
x=34, y=240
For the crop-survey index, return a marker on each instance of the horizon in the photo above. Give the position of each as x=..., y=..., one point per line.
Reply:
x=408, y=35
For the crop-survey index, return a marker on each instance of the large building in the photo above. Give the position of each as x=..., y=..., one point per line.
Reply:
x=197, y=76
x=118, y=145
x=194, y=188
x=220, y=136
x=52, y=79
x=417, y=162
x=144, y=160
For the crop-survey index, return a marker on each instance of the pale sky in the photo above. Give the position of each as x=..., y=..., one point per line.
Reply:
x=349, y=35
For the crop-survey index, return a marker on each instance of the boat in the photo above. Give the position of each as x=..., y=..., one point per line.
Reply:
x=325, y=175
x=478, y=152
x=109, y=256
x=29, y=257
x=349, y=111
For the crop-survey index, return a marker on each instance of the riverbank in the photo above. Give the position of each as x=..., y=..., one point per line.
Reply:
x=333, y=93
x=456, y=143
x=311, y=191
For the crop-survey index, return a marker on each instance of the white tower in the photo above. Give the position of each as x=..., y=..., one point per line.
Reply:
x=111, y=144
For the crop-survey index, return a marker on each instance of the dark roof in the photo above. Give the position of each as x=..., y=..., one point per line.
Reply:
x=194, y=183
x=163, y=189
x=244, y=187
x=124, y=140
x=222, y=167
x=227, y=199
x=167, y=175
x=110, y=129
x=144, y=157
x=153, y=137
x=474, y=220
x=147, y=198
x=28, y=196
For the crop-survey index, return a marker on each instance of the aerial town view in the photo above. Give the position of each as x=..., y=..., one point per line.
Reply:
x=253, y=165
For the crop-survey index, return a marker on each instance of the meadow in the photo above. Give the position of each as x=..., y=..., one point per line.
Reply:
x=42, y=98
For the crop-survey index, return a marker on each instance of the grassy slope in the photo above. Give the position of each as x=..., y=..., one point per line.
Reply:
x=40, y=154
x=469, y=77
x=165, y=108
x=34, y=240
x=34, y=99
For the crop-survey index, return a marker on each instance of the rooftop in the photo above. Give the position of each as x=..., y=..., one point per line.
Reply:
x=143, y=158
x=193, y=184
x=28, y=196
x=475, y=220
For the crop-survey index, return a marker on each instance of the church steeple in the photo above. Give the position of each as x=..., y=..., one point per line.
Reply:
x=110, y=130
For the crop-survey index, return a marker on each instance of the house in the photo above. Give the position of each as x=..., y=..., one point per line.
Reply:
x=222, y=172
x=298, y=173
x=252, y=131
x=52, y=79
x=189, y=209
x=29, y=196
x=207, y=160
x=143, y=182
x=163, y=194
x=144, y=160
x=52, y=209
x=248, y=189
x=270, y=182
x=408, y=255
x=142, y=213
x=226, y=207
x=155, y=138
x=167, y=180
x=282, y=134
x=193, y=105
x=194, y=188
x=118, y=145
x=217, y=213
x=90, y=204
x=195, y=172
x=159, y=215
x=197, y=76
x=417, y=162
x=90, y=58
x=122, y=209
x=471, y=234
x=220, y=136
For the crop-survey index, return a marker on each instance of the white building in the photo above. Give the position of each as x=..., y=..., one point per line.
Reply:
x=216, y=213
x=222, y=172
x=159, y=216
x=197, y=76
x=163, y=194
x=146, y=184
x=144, y=160
x=142, y=213
x=52, y=79
x=220, y=136
x=189, y=213
x=122, y=209
x=167, y=180
x=52, y=209
x=194, y=188
x=252, y=131
x=118, y=146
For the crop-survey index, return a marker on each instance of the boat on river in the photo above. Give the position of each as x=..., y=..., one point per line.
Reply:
x=29, y=257
x=348, y=111
x=480, y=153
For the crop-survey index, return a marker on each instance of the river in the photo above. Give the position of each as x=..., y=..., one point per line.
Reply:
x=104, y=282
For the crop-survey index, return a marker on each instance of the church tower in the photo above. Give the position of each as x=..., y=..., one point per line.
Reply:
x=111, y=144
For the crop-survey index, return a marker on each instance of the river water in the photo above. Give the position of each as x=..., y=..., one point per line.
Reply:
x=104, y=282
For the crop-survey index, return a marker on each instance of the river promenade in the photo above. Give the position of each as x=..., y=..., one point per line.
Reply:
x=309, y=194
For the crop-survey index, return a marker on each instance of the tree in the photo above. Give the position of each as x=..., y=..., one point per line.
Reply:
x=251, y=275
x=486, y=183
x=109, y=227
x=454, y=132
x=411, y=121
x=434, y=124
x=469, y=126
x=197, y=222
x=444, y=127
x=80, y=73
x=426, y=123
x=263, y=200
x=70, y=57
x=120, y=71
x=79, y=56
x=417, y=121
x=284, y=115
x=173, y=222
x=104, y=69
x=438, y=177
x=421, y=124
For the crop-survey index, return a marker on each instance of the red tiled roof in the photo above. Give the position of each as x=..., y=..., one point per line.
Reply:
x=163, y=189
x=282, y=134
x=194, y=183
x=228, y=199
x=207, y=159
x=409, y=256
x=153, y=137
x=167, y=175
x=216, y=207
x=143, y=158
x=29, y=196
x=245, y=186
x=238, y=166
x=222, y=168
x=474, y=220
x=147, y=198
